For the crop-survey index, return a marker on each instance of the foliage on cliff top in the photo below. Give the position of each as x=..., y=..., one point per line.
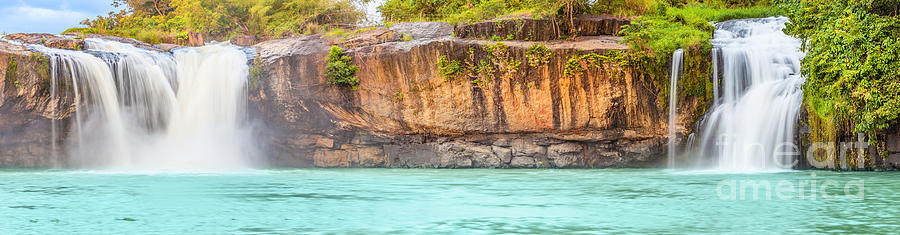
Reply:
x=158, y=21
x=852, y=55
x=339, y=70
x=466, y=11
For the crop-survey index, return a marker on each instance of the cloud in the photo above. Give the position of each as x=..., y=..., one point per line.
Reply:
x=31, y=19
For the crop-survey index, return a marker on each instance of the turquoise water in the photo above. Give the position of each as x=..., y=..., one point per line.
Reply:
x=437, y=201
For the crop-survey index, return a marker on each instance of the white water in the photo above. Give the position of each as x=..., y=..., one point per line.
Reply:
x=674, y=74
x=147, y=110
x=753, y=120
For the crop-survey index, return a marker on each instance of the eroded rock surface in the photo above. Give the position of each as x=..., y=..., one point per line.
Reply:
x=543, y=29
x=28, y=111
x=48, y=40
x=406, y=114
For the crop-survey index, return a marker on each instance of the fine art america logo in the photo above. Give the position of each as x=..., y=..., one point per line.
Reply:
x=803, y=189
x=806, y=188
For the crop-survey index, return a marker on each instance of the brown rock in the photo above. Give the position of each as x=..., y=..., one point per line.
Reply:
x=244, y=40
x=371, y=37
x=195, y=39
x=31, y=38
x=167, y=47
x=325, y=143
x=370, y=157
x=65, y=43
x=332, y=158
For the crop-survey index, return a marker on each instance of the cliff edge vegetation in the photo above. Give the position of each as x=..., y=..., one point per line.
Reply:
x=171, y=21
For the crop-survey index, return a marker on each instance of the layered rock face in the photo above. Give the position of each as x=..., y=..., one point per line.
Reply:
x=544, y=29
x=407, y=114
x=505, y=106
x=28, y=109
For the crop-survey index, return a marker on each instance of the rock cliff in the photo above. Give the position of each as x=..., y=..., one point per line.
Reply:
x=406, y=113
x=28, y=109
x=507, y=104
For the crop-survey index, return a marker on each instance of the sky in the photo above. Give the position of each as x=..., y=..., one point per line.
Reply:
x=48, y=16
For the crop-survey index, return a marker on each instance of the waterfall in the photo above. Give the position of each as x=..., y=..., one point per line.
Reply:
x=143, y=109
x=677, y=68
x=753, y=118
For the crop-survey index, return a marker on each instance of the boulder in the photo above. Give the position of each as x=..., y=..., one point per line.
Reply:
x=244, y=40
x=167, y=47
x=565, y=154
x=195, y=39
x=65, y=43
x=371, y=37
x=423, y=30
x=522, y=162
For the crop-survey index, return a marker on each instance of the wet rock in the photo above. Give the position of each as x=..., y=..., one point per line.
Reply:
x=371, y=37
x=523, y=162
x=423, y=30
x=244, y=40
x=565, y=155
x=167, y=47
x=131, y=41
x=504, y=154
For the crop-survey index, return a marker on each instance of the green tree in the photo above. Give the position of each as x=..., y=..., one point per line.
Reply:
x=852, y=55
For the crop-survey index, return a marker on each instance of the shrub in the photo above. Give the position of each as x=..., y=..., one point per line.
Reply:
x=339, y=70
x=538, y=54
x=449, y=69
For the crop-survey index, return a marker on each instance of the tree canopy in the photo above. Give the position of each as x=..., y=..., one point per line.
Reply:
x=158, y=21
x=852, y=59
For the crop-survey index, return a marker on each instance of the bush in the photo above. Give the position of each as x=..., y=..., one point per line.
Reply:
x=851, y=60
x=449, y=69
x=339, y=70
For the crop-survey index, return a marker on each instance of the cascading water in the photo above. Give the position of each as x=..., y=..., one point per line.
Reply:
x=760, y=99
x=677, y=68
x=142, y=109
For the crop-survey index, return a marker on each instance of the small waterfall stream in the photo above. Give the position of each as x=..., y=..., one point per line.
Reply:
x=675, y=73
x=143, y=109
x=754, y=116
